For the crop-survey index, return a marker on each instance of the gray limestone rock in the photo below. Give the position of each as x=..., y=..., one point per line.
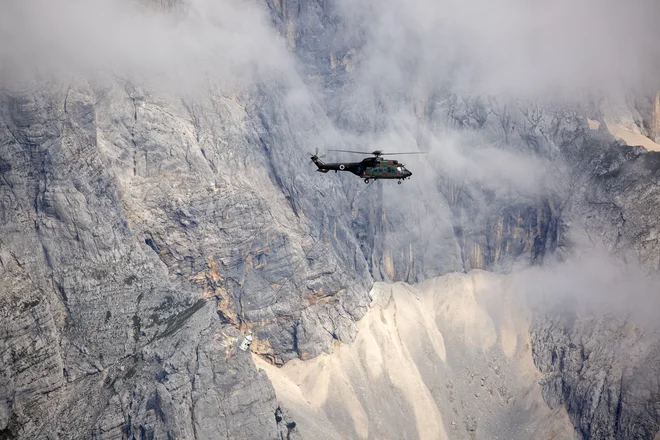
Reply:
x=143, y=234
x=110, y=323
x=604, y=370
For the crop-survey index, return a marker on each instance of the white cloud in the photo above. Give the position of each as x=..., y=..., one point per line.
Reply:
x=592, y=282
x=510, y=46
x=230, y=43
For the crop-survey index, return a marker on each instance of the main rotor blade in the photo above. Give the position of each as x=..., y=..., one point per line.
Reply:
x=349, y=151
x=380, y=154
x=416, y=152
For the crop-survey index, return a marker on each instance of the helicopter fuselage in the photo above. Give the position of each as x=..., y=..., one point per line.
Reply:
x=369, y=168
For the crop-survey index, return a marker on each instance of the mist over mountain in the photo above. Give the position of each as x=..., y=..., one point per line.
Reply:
x=158, y=204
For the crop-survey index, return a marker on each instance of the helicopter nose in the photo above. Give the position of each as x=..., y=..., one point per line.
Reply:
x=408, y=174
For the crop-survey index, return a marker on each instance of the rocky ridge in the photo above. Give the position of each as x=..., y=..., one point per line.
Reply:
x=170, y=225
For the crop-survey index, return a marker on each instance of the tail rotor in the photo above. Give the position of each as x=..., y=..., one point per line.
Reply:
x=315, y=155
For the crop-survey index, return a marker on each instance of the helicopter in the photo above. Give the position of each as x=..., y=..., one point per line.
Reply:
x=369, y=168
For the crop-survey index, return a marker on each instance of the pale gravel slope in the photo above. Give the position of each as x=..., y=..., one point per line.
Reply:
x=629, y=135
x=447, y=358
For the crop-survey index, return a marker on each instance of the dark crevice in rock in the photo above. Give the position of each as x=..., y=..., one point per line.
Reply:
x=176, y=322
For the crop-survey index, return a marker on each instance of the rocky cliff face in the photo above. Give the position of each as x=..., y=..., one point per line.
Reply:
x=602, y=365
x=101, y=337
x=603, y=370
x=144, y=234
x=107, y=262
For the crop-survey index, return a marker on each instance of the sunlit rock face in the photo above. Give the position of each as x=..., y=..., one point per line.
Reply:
x=134, y=224
x=155, y=215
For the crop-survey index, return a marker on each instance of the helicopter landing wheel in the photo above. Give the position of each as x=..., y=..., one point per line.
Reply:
x=366, y=180
x=399, y=182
